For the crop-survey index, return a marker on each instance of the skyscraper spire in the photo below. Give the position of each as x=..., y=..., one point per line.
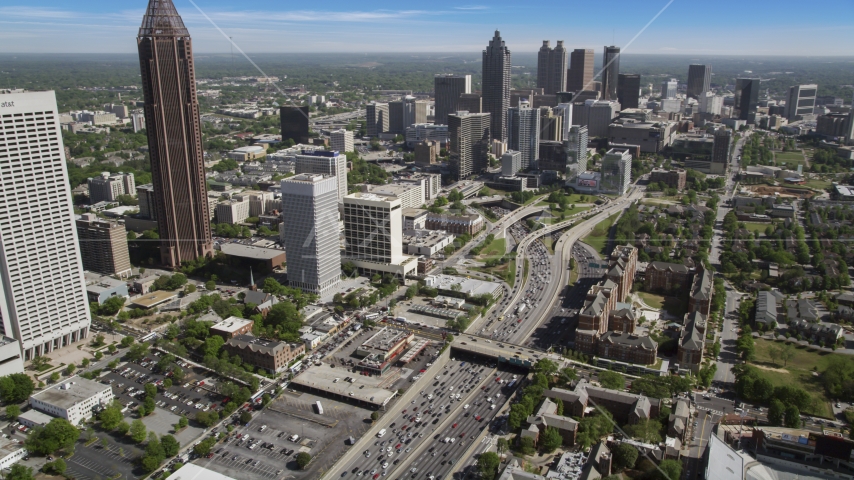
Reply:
x=162, y=19
x=174, y=135
x=496, y=85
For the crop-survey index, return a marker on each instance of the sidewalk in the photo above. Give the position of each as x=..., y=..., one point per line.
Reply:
x=75, y=353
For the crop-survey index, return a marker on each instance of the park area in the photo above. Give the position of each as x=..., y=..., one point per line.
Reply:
x=801, y=370
x=598, y=238
x=789, y=159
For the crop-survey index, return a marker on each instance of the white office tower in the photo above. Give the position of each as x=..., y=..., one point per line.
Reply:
x=576, y=147
x=341, y=140
x=373, y=232
x=43, y=293
x=325, y=163
x=710, y=103
x=511, y=162
x=310, y=232
x=616, y=171
x=801, y=101
x=564, y=111
x=523, y=132
x=668, y=88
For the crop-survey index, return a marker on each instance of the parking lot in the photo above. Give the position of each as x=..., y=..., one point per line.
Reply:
x=96, y=461
x=267, y=448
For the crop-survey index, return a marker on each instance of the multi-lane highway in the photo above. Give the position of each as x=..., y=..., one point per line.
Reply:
x=411, y=428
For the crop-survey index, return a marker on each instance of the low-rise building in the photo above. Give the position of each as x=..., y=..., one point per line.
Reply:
x=264, y=260
x=471, y=287
x=75, y=399
x=426, y=242
x=232, y=211
x=248, y=154
x=414, y=219
x=628, y=347
x=232, y=327
x=456, y=224
x=11, y=451
x=674, y=178
x=381, y=349
x=271, y=355
x=99, y=288
x=692, y=342
x=667, y=277
x=702, y=290
x=626, y=407
x=546, y=416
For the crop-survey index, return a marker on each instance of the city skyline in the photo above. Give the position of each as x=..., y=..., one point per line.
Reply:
x=49, y=26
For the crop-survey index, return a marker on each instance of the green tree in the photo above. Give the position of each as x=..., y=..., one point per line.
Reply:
x=551, y=439
x=127, y=341
x=625, y=456
x=12, y=412
x=375, y=416
x=137, y=352
x=647, y=431
x=138, y=432
x=526, y=446
x=20, y=472
x=54, y=377
x=182, y=423
x=16, y=388
x=56, y=467
x=303, y=459
x=207, y=419
x=612, y=380
x=487, y=465
x=111, y=416
x=123, y=428
x=668, y=470
x=58, y=433
x=204, y=447
x=776, y=411
x=210, y=285
x=40, y=362
x=170, y=445
x=793, y=417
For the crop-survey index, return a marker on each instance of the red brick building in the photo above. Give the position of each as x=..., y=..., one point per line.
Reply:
x=667, y=277
x=702, y=289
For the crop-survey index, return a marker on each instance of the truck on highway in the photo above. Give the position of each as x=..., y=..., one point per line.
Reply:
x=319, y=408
x=520, y=308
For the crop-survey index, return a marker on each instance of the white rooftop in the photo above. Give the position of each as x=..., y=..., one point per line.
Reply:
x=191, y=471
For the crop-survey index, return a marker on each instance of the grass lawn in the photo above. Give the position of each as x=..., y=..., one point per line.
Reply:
x=757, y=227
x=598, y=238
x=676, y=306
x=651, y=299
x=800, y=370
x=789, y=158
x=549, y=243
x=506, y=271
x=573, y=276
x=818, y=184
x=494, y=249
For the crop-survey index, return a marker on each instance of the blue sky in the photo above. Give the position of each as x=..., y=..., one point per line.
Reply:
x=753, y=27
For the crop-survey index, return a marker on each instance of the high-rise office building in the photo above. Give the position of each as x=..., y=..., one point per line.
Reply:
x=511, y=162
x=107, y=187
x=470, y=102
x=597, y=115
x=746, y=99
x=551, y=124
x=324, y=162
x=404, y=113
x=551, y=68
x=610, y=72
x=103, y=246
x=564, y=111
x=447, y=89
x=668, y=88
x=722, y=146
x=377, y=121
x=616, y=171
x=711, y=103
x=699, y=80
x=43, y=302
x=174, y=135
x=469, y=142
x=523, y=132
x=341, y=140
x=294, y=121
x=309, y=236
x=373, y=234
x=628, y=90
x=801, y=101
x=580, y=74
x=146, y=199
x=496, y=85
x=576, y=147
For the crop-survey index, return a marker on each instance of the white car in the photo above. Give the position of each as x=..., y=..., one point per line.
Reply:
x=466, y=406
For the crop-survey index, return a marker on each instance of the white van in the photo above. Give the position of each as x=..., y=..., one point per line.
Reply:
x=381, y=433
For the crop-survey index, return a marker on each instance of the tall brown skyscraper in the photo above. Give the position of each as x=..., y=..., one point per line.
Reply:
x=551, y=68
x=580, y=74
x=174, y=135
